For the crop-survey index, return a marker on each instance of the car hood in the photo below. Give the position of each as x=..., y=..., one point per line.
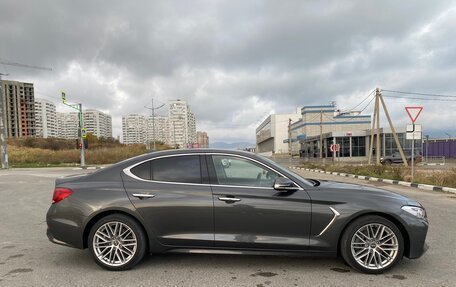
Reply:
x=364, y=191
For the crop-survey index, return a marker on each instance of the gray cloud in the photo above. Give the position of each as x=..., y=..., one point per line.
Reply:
x=234, y=61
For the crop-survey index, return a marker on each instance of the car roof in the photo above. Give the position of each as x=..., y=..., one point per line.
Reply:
x=153, y=154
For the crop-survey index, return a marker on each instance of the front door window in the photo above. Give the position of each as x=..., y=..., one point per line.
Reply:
x=237, y=171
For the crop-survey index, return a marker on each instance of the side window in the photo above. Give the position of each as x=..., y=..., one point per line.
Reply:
x=232, y=170
x=185, y=169
x=142, y=170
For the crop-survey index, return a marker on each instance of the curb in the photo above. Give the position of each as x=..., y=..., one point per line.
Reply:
x=433, y=164
x=390, y=181
x=88, y=167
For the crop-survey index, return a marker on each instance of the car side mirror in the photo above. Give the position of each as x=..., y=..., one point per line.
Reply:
x=284, y=184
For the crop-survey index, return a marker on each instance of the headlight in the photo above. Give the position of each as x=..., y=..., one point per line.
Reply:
x=415, y=210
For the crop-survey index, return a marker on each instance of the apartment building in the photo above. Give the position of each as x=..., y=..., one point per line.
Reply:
x=134, y=129
x=157, y=129
x=67, y=125
x=97, y=123
x=45, y=118
x=182, y=124
x=19, y=108
x=202, y=139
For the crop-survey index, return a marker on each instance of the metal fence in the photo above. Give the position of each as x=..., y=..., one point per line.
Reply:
x=446, y=149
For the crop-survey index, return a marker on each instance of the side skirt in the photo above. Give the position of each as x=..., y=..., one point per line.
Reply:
x=299, y=253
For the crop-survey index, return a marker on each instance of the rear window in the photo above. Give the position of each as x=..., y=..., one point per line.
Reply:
x=142, y=170
x=185, y=169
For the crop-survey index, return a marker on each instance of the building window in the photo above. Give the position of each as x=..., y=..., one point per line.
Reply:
x=358, y=146
x=344, y=143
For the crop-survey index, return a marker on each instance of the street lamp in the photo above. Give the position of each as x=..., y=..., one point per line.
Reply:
x=152, y=109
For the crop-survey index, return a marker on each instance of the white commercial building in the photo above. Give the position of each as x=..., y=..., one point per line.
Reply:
x=182, y=124
x=134, y=129
x=97, y=123
x=45, y=118
x=325, y=119
x=272, y=132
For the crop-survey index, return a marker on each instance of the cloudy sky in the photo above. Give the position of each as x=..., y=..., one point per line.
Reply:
x=235, y=62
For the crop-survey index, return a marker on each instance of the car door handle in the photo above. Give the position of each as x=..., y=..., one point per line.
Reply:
x=229, y=199
x=143, y=195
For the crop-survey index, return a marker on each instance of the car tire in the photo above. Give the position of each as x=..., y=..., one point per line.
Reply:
x=117, y=242
x=372, y=244
x=388, y=162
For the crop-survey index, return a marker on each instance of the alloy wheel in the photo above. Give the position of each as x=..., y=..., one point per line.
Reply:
x=114, y=243
x=374, y=246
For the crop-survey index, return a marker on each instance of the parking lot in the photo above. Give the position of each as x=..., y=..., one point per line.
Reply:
x=27, y=258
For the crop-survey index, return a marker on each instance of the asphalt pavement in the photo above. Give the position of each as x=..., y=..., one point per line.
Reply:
x=27, y=258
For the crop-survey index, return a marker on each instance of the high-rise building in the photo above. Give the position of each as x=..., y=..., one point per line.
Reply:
x=97, y=123
x=202, y=139
x=45, y=118
x=161, y=131
x=134, y=129
x=191, y=125
x=19, y=108
x=182, y=124
x=68, y=125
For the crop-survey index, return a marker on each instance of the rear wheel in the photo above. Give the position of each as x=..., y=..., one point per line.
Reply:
x=117, y=242
x=372, y=244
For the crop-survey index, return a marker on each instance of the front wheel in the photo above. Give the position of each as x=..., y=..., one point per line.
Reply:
x=372, y=244
x=117, y=242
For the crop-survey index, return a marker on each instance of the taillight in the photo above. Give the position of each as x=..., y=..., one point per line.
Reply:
x=60, y=193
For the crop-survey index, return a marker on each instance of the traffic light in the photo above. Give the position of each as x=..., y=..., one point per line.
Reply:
x=79, y=144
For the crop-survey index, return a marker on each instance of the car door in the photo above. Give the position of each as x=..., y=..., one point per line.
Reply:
x=173, y=195
x=249, y=213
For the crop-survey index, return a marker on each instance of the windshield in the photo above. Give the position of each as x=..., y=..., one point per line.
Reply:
x=285, y=170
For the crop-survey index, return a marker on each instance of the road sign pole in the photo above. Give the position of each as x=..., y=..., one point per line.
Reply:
x=82, y=136
x=413, y=151
x=414, y=113
x=3, y=134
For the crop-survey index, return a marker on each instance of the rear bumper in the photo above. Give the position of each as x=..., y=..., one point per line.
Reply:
x=63, y=231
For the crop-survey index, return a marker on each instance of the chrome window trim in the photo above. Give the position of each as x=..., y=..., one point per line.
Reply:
x=128, y=172
x=336, y=214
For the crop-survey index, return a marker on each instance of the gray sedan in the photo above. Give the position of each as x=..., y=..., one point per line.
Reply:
x=220, y=201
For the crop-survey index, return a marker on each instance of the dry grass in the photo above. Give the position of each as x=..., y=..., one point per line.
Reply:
x=432, y=177
x=29, y=157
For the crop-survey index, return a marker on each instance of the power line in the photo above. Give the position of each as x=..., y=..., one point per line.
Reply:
x=419, y=94
x=419, y=98
x=360, y=103
x=351, y=117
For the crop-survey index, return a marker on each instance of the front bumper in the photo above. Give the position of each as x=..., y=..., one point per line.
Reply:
x=417, y=231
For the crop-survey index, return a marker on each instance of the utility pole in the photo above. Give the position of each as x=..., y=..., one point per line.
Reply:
x=371, y=146
x=3, y=133
x=77, y=107
x=3, y=126
x=377, y=145
x=321, y=134
x=152, y=109
x=376, y=124
x=289, y=137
